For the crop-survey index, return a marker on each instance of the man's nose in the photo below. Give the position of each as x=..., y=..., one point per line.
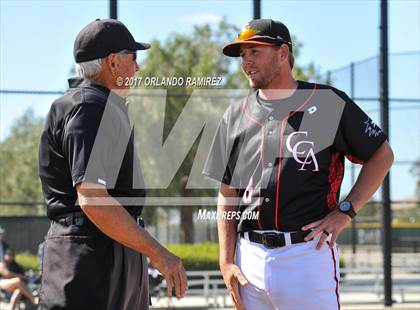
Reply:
x=246, y=62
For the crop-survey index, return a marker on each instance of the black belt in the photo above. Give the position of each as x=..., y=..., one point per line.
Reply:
x=273, y=240
x=71, y=218
x=79, y=218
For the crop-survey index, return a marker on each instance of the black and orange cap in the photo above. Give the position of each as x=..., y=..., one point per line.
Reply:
x=261, y=32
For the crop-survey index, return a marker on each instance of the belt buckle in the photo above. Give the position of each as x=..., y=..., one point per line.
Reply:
x=78, y=221
x=68, y=220
x=140, y=221
x=269, y=240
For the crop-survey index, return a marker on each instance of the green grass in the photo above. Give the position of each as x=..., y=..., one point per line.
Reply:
x=198, y=256
x=28, y=261
x=395, y=224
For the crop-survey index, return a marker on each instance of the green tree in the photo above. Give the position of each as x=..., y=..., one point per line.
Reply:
x=415, y=170
x=19, y=165
x=194, y=55
x=309, y=72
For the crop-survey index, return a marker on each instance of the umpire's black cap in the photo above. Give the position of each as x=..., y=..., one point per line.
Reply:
x=103, y=37
x=261, y=32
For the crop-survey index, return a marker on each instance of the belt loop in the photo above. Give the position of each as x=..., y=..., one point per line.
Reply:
x=287, y=238
x=244, y=234
x=69, y=219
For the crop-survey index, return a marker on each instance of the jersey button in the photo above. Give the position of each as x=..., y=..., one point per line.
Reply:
x=267, y=199
x=270, y=165
x=270, y=133
x=270, y=118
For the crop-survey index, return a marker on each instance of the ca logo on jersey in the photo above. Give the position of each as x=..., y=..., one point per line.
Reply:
x=302, y=149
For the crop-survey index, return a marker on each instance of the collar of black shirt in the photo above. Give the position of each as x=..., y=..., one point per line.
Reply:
x=76, y=82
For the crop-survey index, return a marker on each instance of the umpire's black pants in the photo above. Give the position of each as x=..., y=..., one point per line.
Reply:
x=82, y=269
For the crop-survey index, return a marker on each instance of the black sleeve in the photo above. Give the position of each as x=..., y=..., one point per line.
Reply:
x=78, y=142
x=216, y=165
x=357, y=135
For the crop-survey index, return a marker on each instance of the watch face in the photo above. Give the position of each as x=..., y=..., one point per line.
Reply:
x=345, y=206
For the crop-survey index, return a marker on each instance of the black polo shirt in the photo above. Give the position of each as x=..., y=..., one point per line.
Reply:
x=286, y=157
x=87, y=137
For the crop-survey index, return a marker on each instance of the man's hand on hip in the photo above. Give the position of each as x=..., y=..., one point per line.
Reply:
x=332, y=224
x=232, y=275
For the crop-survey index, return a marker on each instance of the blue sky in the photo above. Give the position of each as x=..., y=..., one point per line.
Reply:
x=37, y=42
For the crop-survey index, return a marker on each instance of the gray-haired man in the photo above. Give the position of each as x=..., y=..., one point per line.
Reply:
x=94, y=253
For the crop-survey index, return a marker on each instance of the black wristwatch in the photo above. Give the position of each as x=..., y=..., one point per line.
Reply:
x=347, y=208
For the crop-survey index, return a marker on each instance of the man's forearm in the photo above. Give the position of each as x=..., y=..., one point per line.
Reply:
x=113, y=220
x=227, y=236
x=227, y=229
x=119, y=225
x=371, y=176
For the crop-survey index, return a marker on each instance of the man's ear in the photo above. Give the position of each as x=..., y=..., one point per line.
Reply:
x=112, y=62
x=283, y=52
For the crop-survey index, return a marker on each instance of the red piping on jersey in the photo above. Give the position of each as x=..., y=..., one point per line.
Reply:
x=280, y=153
x=259, y=216
x=278, y=173
x=262, y=166
x=249, y=116
x=245, y=110
x=335, y=277
x=354, y=159
x=335, y=178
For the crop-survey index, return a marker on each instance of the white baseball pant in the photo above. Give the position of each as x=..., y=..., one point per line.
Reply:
x=293, y=277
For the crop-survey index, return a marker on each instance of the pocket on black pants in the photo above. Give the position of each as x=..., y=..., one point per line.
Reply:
x=76, y=272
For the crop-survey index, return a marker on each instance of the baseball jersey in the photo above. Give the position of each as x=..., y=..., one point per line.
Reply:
x=285, y=158
x=87, y=137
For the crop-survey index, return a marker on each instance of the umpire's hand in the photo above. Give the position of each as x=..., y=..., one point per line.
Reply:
x=232, y=275
x=171, y=268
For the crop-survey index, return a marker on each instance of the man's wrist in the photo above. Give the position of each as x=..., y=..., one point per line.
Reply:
x=345, y=216
x=357, y=204
x=346, y=207
x=155, y=250
x=223, y=263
